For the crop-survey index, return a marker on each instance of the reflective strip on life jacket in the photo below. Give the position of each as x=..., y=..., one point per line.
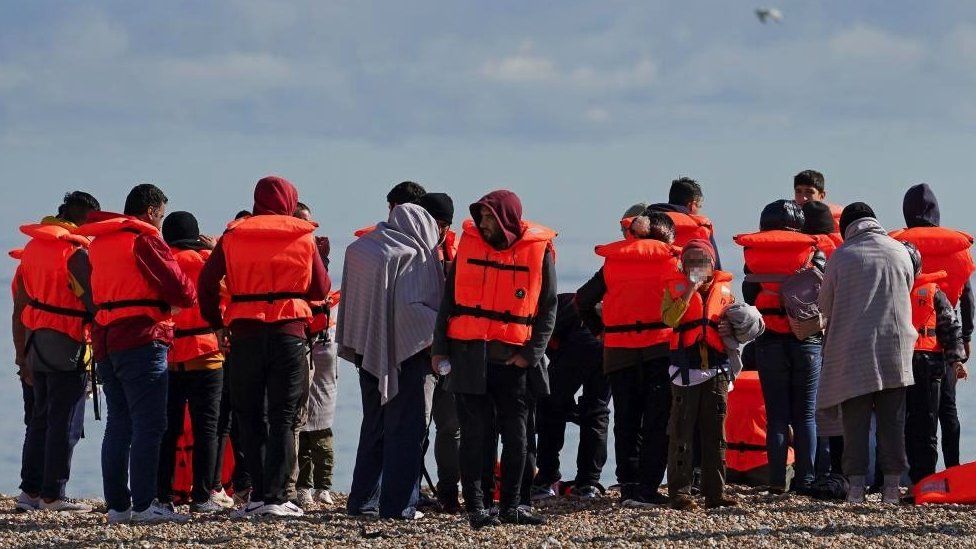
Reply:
x=924, y=316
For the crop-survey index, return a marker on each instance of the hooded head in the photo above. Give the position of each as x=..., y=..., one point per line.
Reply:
x=414, y=221
x=817, y=218
x=275, y=195
x=181, y=229
x=853, y=212
x=438, y=205
x=781, y=215
x=502, y=227
x=920, y=207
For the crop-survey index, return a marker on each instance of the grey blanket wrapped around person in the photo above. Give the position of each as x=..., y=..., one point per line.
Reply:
x=747, y=324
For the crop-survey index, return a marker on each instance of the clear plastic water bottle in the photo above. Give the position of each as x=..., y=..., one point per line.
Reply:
x=444, y=367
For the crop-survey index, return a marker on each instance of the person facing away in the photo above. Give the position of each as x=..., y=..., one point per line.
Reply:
x=939, y=347
x=789, y=368
x=949, y=250
x=196, y=375
x=630, y=286
x=818, y=222
x=54, y=285
x=685, y=201
x=405, y=192
x=810, y=186
x=694, y=306
x=273, y=271
x=136, y=285
x=493, y=325
x=868, y=346
x=392, y=285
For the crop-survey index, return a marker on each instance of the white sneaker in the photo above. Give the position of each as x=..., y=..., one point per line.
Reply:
x=417, y=515
x=27, y=503
x=287, y=509
x=118, y=517
x=157, y=512
x=540, y=493
x=304, y=497
x=855, y=494
x=222, y=498
x=248, y=510
x=324, y=496
x=65, y=505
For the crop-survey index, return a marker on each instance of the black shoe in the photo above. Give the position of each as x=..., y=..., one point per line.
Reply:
x=449, y=503
x=426, y=502
x=481, y=519
x=521, y=515
x=645, y=498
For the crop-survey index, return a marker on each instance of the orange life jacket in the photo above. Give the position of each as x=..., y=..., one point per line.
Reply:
x=688, y=227
x=365, y=230
x=193, y=337
x=745, y=426
x=775, y=253
x=496, y=292
x=119, y=289
x=954, y=485
x=700, y=321
x=836, y=211
x=635, y=272
x=828, y=243
x=16, y=253
x=322, y=320
x=269, y=268
x=946, y=250
x=44, y=271
x=923, y=310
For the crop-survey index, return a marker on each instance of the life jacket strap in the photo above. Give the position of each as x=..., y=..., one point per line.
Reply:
x=635, y=327
x=745, y=447
x=126, y=303
x=695, y=324
x=190, y=332
x=497, y=265
x=269, y=297
x=498, y=316
x=927, y=332
x=63, y=311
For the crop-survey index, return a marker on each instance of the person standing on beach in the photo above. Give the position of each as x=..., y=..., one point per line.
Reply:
x=392, y=284
x=273, y=272
x=630, y=286
x=493, y=326
x=53, y=283
x=868, y=346
x=136, y=283
x=685, y=201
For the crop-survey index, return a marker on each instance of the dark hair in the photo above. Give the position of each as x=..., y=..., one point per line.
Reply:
x=659, y=227
x=809, y=178
x=242, y=214
x=684, y=191
x=405, y=193
x=142, y=197
x=76, y=206
x=781, y=215
x=302, y=206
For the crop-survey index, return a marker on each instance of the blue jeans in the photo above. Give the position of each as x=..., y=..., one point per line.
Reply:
x=135, y=385
x=789, y=372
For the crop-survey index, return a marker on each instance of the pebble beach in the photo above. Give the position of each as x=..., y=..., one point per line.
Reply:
x=764, y=520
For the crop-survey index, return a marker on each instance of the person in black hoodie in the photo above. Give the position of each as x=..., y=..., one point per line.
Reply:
x=921, y=209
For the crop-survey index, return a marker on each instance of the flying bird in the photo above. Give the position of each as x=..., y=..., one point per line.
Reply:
x=769, y=14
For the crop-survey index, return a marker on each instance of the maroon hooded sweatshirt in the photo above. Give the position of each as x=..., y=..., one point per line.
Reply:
x=273, y=195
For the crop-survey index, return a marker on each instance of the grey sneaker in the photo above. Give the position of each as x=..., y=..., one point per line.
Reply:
x=892, y=491
x=324, y=496
x=304, y=498
x=157, y=512
x=26, y=503
x=855, y=494
x=248, y=510
x=540, y=493
x=118, y=517
x=66, y=505
x=208, y=507
x=585, y=492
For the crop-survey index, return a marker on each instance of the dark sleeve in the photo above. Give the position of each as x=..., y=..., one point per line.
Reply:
x=157, y=264
x=948, y=331
x=967, y=310
x=19, y=330
x=321, y=284
x=718, y=260
x=587, y=298
x=819, y=261
x=440, y=345
x=208, y=286
x=80, y=268
x=546, y=316
x=750, y=290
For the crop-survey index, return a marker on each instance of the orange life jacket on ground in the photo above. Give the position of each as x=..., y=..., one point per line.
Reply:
x=635, y=272
x=946, y=250
x=745, y=432
x=269, y=268
x=119, y=289
x=701, y=319
x=923, y=310
x=954, y=485
x=775, y=253
x=496, y=292
x=44, y=273
x=828, y=243
x=688, y=227
x=193, y=337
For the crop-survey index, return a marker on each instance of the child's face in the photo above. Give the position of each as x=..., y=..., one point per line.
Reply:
x=696, y=263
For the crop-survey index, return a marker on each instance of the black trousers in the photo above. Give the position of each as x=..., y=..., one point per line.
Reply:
x=566, y=376
x=949, y=419
x=56, y=425
x=270, y=375
x=642, y=407
x=922, y=414
x=505, y=400
x=223, y=430
x=201, y=389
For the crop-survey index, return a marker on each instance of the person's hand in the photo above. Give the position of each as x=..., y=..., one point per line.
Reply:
x=223, y=341
x=208, y=241
x=961, y=372
x=435, y=360
x=725, y=329
x=518, y=361
x=26, y=375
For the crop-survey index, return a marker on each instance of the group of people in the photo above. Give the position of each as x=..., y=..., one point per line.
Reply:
x=466, y=332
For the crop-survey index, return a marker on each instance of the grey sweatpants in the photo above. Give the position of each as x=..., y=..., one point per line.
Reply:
x=889, y=406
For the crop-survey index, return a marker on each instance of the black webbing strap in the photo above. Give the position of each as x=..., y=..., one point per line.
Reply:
x=745, y=447
x=927, y=332
x=499, y=316
x=779, y=311
x=206, y=330
x=125, y=303
x=497, y=265
x=694, y=324
x=63, y=311
x=635, y=327
x=269, y=297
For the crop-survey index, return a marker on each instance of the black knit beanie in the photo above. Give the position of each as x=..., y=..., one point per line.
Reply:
x=181, y=229
x=439, y=206
x=853, y=212
x=817, y=218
